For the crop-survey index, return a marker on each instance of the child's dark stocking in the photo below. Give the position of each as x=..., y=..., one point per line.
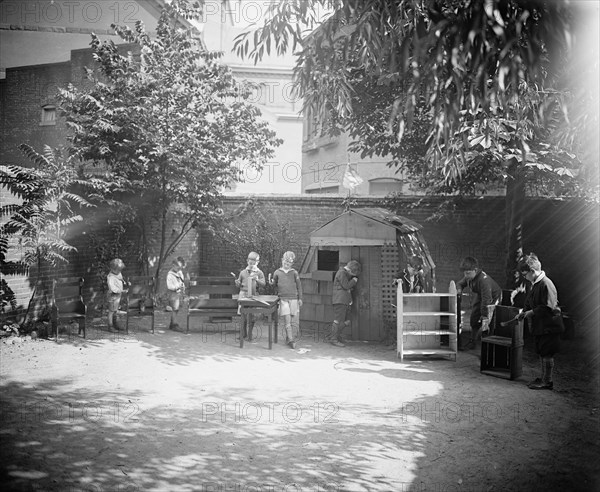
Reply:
x=548, y=363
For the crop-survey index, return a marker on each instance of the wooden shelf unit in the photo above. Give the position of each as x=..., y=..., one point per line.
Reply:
x=427, y=324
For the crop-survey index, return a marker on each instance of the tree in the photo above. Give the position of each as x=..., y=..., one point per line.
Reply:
x=170, y=122
x=248, y=229
x=47, y=203
x=460, y=95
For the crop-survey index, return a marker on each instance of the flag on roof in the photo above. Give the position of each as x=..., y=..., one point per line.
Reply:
x=351, y=178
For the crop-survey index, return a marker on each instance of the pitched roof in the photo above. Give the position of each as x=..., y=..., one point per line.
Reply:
x=404, y=225
x=364, y=226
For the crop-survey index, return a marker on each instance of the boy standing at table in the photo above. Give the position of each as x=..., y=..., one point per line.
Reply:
x=289, y=289
x=250, y=276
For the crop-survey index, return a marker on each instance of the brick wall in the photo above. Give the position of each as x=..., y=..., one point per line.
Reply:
x=476, y=231
x=25, y=91
x=565, y=235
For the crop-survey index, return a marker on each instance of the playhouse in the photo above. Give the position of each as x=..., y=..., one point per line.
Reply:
x=381, y=241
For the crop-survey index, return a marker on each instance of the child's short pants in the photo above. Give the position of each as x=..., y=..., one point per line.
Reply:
x=113, y=301
x=288, y=306
x=174, y=300
x=341, y=312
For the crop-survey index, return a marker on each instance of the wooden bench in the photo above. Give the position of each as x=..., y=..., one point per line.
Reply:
x=212, y=297
x=67, y=303
x=140, y=299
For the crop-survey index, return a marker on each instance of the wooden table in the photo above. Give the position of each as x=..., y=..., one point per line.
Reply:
x=268, y=305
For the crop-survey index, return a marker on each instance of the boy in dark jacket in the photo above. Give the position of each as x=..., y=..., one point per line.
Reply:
x=412, y=278
x=345, y=280
x=487, y=292
x=543, y=317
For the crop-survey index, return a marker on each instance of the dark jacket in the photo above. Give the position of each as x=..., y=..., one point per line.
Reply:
x=487, y=290
x=418, y=282
x=542, y=299
x=343, y=283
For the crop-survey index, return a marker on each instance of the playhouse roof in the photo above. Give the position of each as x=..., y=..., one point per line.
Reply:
x=363, y=227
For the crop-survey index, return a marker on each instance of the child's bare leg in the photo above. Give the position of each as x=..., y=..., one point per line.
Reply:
x=110, y=320
x=287, y=323
x=174, y=303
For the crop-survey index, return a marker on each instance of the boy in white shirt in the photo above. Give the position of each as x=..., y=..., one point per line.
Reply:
x=116, y=287
x=175, y=288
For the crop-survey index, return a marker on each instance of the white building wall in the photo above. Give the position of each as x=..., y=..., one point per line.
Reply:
x=271, y=83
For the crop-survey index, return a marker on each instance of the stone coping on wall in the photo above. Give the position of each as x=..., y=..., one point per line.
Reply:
x=329, y=198
x=336, y=199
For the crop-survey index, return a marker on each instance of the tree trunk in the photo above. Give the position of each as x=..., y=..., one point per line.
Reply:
x=515, y=200
x=161, y=254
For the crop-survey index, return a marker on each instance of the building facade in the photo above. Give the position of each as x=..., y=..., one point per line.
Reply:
x=43, y=45
x=271, y=85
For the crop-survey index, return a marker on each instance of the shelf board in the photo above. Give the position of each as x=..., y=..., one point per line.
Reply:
x=498, y=373
x=429, y=351
x=428, y=313
x=430, y=294
x=430, y=332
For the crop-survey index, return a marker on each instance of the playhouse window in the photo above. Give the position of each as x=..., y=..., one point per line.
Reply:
x=328, y=260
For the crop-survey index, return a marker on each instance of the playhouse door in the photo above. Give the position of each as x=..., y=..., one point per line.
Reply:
x=367, y=308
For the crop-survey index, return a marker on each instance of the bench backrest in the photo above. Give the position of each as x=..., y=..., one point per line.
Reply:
x=67, y=295
x=503, y=314
x=140, y=290
x=213, y=292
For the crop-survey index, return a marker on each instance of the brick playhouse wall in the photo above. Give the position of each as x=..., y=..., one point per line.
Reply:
x=565, y=235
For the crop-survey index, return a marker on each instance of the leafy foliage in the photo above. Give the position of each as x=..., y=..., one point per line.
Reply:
x=120, y=237
x=463, y=96
x=248, y=229
x=170, y=122
x=448, y=89
x=46, y=203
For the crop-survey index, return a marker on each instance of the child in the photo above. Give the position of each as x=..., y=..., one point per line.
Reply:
x=544, y=319
x=411, y=278
x=116, y=287
x=175, y=288
x=257, y=278
x=289, y=289
x=488, y=293
x=345, y=280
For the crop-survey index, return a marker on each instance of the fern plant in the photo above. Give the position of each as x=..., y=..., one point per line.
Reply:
x=35, y=223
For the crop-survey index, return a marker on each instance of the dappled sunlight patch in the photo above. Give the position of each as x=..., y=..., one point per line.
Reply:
x=27, y=444
x=28, y=474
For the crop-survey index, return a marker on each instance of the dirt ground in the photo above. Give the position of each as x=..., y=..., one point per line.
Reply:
x=176, y=412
